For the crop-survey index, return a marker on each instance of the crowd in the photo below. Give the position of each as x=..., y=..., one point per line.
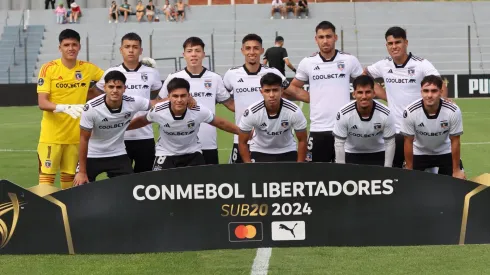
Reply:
x=108, y=127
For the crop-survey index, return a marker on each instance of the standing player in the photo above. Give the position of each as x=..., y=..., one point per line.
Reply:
x=178, y=144
x=103, y=123
x=364, y=131
x=63, y=88
x=402, y=73
x=244, y=83
x=432, y=128
x=328, y=72
x=207, y=89
x=273, y=119
x=144, y=81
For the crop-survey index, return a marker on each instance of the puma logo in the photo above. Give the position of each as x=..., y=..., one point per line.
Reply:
x=282, y=226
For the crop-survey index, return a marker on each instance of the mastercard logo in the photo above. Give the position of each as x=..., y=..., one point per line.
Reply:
x=245, y=231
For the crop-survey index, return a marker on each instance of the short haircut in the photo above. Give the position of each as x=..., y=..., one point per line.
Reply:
x=270, y=79
x=193, y=41
x=69, y=34
x=325, y=25
x=396, y=32
x=131, y=37
x=432, y=79
x=363, y=80
x=114, y=76
x=279, y=39
x=252, y=37
x=178, y=83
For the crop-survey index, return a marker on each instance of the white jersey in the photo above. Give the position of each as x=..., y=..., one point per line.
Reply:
x=273, y=134
x=139, y=82
x=108, y=126
x=207, y=89
x=329, y=82
x=364, y=135
x=402, y=82
x=178, y=135
x=432, y=132
x=245, y=87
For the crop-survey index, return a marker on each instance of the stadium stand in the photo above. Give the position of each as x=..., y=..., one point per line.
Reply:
x=431, y=33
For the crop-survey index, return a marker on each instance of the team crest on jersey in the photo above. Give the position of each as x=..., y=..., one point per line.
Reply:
x=85, y=108
x=40, y=81
x=127, y=115
x=208, y=84
x=444, y=124
x=284, y=123
x=341, y=66
x=78, y=75
x=405, y=114
x=377, y=126
x=338, y=115
x=144, y=77
x=411, y=71
x=190, y=124
x=47, y=164
x=245, y=114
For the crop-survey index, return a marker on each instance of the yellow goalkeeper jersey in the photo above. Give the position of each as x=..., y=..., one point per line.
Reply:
x=64, y=86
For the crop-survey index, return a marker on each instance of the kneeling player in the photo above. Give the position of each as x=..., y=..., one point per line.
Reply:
x=432, y=128
x=178, y=144
x=364, y=130
x=272, y=120
x=102, y=127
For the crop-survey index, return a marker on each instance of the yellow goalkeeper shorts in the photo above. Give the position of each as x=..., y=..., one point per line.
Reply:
x=57, y=157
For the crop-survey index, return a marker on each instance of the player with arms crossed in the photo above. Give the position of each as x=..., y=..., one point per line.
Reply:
x=142, y=80
x=244, y=83
x=364, y=131
x=63, y=89
x=402, y=73
x=328, y=72
x=273, y=119
x=432, y=128
x=103, y=124
x=178, y=144
x=207, y=89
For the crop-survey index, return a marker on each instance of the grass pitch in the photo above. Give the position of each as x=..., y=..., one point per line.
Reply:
x=19, y=128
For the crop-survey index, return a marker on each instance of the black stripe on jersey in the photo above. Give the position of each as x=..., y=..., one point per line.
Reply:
x=128, y=98
x=257, y=107
x=347, y=110
x=382, y=110
x=449, y=106
x=349, y=106
x=195, y=108
x=417, y=58
x=97, y=103
x=162, y=107
x=290, y=106
x=415, y=106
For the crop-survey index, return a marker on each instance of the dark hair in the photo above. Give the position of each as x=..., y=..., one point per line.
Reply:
x=325, y=25
x=252, y=37
x=178, y=83
x=131, y=37
x=193, y=41
x=270, y=79
x=396, y=32
x=114, y=76
x=69, y=34
x=432, y=79
x=363, y=80
x=279, y=39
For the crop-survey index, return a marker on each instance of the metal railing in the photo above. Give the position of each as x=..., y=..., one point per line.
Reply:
x=13, y=58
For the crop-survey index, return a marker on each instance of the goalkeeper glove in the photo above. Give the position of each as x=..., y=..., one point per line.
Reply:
x=73, y=110
x=150, y=62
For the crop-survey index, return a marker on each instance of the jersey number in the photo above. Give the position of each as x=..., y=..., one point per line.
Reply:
x=310, y=143
x=234, y=155
x=161, y=160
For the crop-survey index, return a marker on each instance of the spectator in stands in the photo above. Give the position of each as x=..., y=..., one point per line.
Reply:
x=150, y=11
x=140, y=11
x=75, y=12
x=47, y=2
x=113, y=14
x=125, y=10
x=277, y=56
x=290, y=7
x=302, y=7
x=277, y=7
x=60, y=14
x=181, y=10
x=169, y=11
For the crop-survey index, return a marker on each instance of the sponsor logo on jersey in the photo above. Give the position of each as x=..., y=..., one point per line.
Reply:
x=432, y=134
x=86, y=107
x=328, y=76
x=364, y=135
x=208, y=84
x=201, y=94
x=191, y=124
x=400, y=80
x=341, y=65
x=245, y=114
x=316, y=68
x=390, y=71
x=421, y=125
x=114, y=126
x=144, y=77
x=247, y=90
x=278, y=133
x=78, y=75
x=284, y=123
x=183, y=133
x=166, y=125
x=70, y=85
x=444, y=124
x=354, y=127
x=40, y=81
x=105, y=120
x=136, y=86
x=240, y=80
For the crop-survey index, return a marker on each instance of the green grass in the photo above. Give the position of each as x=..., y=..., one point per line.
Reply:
x=20, y=131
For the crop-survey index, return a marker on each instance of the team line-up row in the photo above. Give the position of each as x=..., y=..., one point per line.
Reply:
x=419, y=128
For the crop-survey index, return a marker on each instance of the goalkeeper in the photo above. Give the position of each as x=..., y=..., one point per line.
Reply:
x=142, y=79
x=63, y=88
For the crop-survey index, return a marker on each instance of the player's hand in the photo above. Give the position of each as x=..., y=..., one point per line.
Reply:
x=459, y=174
x=80, y=179
x=192, y=102
x=150, y=62
x=75, y=111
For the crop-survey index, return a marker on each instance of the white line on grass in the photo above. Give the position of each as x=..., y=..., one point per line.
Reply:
x=261, y=261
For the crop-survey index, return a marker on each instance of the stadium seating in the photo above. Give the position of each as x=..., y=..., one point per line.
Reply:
x=433, y=35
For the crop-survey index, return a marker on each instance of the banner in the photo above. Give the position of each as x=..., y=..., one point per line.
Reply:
x=476, y=85
x=252, y=205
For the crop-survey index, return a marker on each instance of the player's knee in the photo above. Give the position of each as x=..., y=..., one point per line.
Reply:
x=46, y=178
